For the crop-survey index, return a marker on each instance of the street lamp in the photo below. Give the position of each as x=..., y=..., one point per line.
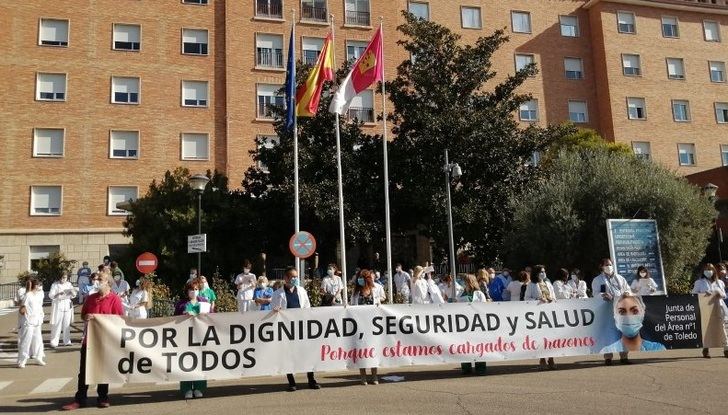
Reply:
x=455, y=172
x=198, y=182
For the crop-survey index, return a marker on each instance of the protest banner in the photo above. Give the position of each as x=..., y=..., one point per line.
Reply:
x=233, y=345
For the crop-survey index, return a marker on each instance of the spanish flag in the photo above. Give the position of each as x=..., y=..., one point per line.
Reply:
x=309, y=93
x=366, y=71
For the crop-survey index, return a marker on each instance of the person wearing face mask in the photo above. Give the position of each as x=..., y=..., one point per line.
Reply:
x=420, y=292
x=562, y=290
x=629, y=314
x=206, y=292
x=504, y=279
x=366, y=292
x=577, y=284
x=332, y=285
x=61, y=294
x=292, y=295
x=445, y=287
x=190, y=305
x=102, y=302
x=710, y=285
x=402, y=282
x=263, y=294
x=722, y=274
x=30, y=337
x=193, y=274
x=140, y=299
x=471, y=293
x=245, y=283
x=610, y=285
x=541, y=290
x=120, y=287
x=82, y=281
x=643, y=284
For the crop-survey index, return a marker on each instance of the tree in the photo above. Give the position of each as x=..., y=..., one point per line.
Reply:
x=561, y=221
x=444, y=98
x=584, y=139
x=49, y=269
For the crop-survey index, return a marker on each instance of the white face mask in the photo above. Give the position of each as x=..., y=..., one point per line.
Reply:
x=708, y=273
x=330, y=272
x=117, y=278
x=643, y=274
x=608, y=269
x=246, y=270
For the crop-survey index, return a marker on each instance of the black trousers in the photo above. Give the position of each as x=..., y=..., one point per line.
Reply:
x=292, y=381
x=82, y=392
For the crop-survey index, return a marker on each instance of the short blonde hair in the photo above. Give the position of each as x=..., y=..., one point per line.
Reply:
x=262, y=279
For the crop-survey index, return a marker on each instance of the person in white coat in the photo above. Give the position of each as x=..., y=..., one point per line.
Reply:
x=709, y=284
x=367, y=292
x=540, y=289
x=643, y=284
x=471, y=293
x=445, y=287
x=30, y=338
x=120, y=287
x=610, y=285
x=402, y=281
x=293, y=295
x=420, y=288
x=140, y=299
x=515, y=287
x=562, y=289
x=577, y=284
x=332, y=285
x=61, y=294
x=246, y=282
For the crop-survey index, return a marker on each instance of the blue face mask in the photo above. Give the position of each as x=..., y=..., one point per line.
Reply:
x=360, y=281
x=295, y=281
x=630, y=325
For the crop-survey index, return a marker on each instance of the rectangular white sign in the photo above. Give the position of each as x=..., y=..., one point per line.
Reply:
x=197, y=243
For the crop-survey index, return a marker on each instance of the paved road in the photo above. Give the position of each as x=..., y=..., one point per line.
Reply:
x=674, y=382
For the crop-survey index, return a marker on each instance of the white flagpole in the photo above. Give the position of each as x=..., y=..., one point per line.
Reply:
x=342, y=233
x=296, y=211
x=387, y=222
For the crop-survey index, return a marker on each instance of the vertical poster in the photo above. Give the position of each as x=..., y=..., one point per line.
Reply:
x=634, y=243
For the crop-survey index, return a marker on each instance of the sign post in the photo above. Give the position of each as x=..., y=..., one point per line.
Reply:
x=634, y=243
x=146, y=263
x=197, y=243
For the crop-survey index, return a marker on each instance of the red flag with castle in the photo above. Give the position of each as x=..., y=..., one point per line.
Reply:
x=367, y=70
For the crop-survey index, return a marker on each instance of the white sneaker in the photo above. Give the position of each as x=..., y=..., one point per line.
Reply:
x=188, y=395
x=21, y=364
x=40, y=361
x=198, y=393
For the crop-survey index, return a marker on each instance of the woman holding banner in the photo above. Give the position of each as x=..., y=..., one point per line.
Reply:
x=541, y=289
x=562, y=289
x=577, y=284
x=472, y=294
x=192, y=306
x=366, y=292
x=710, y=285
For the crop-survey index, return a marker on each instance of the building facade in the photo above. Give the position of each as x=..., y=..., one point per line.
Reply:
x=103, y=96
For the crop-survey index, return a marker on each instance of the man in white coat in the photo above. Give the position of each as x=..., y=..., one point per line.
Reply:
x=610, y=285
x=402, y=283
x=30, y=339
x=246, y=283
x=292, y=295
x=61, y=294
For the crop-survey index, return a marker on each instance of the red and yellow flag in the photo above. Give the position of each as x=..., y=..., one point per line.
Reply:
x=309, y=93
x=366, y=71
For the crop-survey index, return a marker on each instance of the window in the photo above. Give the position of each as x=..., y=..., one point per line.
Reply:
x=717, y=71
x=711, y=31
x=721, y=112
x=269, y=51
x=194, y=93
x=470, y=17
x=124, y=145
x=523, y=60
x=267, y=142
x=724, y=154
x=194, y=41
x=362, y=107
x=119, y=194
x=641, y=149
x=535, y=159
x=127, y=37
x=357, y=12
x=311, y=47
x=37, y=253
x=528, y=111
x=573, y=68
x=625, y=22
x=675, y=68
x=578, y=112
x=681, y=110
x=636, y=109
x=521, y=22
x=569, y=26
x=354, y=49
x=268, y=96
x=50, y=87
x=45, y=200
x=631, y=65
x=195, y=146
x=124, y=90
x=270, y=9
x=53, y=32
x=314, y=10
x=421, y=10
x=195, y=1
x=669, y=27
x=48, y=142
x=686, y=154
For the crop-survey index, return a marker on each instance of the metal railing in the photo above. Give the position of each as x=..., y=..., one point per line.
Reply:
x=358, y=18
x=270, y=58
x=362, y=114
x=269, y=8
x=8, y=291
x=310, y=56
x=313, y=13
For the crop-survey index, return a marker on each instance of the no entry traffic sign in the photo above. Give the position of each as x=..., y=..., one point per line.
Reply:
x=302, y=244
x=146, y=263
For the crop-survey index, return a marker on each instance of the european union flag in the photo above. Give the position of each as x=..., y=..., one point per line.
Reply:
x=291, y=83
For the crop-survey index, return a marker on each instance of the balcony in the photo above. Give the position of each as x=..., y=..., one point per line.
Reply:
x=357, y=18
x=315, y=14
x=310, y=56
x=270, y=58
x=362, y=114
x=269, y=9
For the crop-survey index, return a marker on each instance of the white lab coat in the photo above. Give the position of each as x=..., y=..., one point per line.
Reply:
x=578, y=288
x=30, y=337
x=138, y=296
x=61, y=294
x=279, y=298
x=333, y=286
x=534, y=293
x=402, y=284
x=121, y=289
x=615, y=285
x=19, y=298
x=478, y=297
x=562, y=291
x=446, y=290
x=420, y=292
x=377, y=292
x=247, y=283
x=514, y=290
x=644, y=286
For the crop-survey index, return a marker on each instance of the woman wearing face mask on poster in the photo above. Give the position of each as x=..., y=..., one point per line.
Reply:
x=61, y=294
x=191, y=306
x=610, y=285
x=629, y=314
x=332, y=286
x=709, y=284
x=140, y=299
x=541, y=289
x=577, y=284
x=643, y=284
